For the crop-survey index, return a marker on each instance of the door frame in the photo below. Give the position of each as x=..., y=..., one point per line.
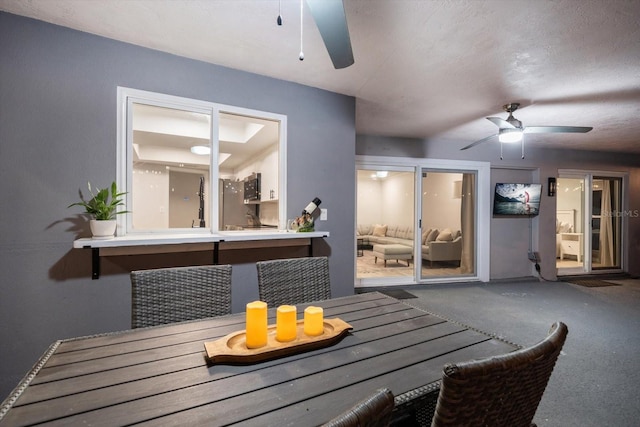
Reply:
x=483, y=211
x=587, y=208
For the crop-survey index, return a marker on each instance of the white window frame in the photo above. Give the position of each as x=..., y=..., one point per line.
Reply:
x=125, y=98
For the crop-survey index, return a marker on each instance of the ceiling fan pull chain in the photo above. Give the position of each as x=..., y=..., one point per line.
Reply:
x=301, y=57
x=279, y=20
x=522, y=144
x=501, y=150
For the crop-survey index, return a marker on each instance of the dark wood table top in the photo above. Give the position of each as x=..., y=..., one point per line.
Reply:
x=160, y=375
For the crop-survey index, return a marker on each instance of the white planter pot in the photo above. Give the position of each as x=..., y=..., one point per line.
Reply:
x=104, y=229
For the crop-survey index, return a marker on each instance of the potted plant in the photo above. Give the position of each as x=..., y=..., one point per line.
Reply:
x=103, y=207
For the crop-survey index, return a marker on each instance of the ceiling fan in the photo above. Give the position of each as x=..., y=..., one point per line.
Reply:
x=512, y=130
x=332, y=24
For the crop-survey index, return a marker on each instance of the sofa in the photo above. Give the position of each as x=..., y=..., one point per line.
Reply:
x=437, y=245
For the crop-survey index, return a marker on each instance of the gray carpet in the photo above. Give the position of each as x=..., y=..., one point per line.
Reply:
x=596, y=377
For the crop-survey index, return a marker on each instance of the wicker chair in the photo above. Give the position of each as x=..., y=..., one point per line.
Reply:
x=293, y=281
x=374, y=411
x=168, y=295
x=499, y=391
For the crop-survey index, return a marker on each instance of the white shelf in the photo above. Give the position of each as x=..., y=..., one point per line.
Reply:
x=174, y=239
x=169, y=243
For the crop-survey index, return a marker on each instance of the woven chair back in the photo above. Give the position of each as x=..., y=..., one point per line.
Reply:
x=374, y=411
x=499, y=391
x=169, y=295
x=294, y=281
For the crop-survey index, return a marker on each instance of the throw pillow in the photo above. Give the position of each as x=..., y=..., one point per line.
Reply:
x=379, y=230
x=425, y=234
x=432, y=236
x=445, y=236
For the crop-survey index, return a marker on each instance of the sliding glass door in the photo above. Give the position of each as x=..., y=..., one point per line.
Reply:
x=385, y=217
x=571, y=226
x=419, y=223
x=589, y=223
x=606, y=223
x=448, y=212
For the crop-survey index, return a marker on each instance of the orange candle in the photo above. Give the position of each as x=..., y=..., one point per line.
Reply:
x=313, y=321
x=286, y=323
x=256, y=334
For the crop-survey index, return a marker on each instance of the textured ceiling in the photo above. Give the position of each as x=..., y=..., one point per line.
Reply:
x=424, y=69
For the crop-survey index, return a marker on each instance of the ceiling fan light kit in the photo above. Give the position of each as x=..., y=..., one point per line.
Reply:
x=511, y=130
x=510, y=135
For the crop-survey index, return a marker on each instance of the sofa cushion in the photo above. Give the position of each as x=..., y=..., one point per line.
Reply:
x=405, y=232
x=364, y=230
x=379, y=230
x=392, y=231
x=425, y=234
x=432, y=236
x=445, y=236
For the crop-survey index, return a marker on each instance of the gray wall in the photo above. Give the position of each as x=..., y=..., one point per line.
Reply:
x=510, y=237
x=58, y=130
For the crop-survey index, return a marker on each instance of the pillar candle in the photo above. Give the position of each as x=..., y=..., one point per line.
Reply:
x=313, y=321
x=286, y=323
x=256, y=334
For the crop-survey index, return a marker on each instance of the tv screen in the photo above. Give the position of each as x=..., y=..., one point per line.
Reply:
x=517, y=199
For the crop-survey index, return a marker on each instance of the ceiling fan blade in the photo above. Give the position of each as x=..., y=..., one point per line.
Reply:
x=501, y=123
x=556, y=129
x=332, y=24
x=478, y=142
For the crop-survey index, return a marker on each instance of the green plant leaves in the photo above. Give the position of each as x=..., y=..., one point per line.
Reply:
x=103, y=205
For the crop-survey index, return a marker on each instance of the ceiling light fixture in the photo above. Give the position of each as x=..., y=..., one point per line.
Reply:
x=201, y=150
x=510, y=135
x=382, y=174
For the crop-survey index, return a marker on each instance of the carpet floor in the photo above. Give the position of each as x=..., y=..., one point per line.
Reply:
x=367, y=267
x=595, y=380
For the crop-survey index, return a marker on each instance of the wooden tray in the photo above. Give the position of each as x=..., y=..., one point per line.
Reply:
x=232, y=348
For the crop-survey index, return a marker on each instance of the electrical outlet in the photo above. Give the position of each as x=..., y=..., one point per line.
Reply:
x=534, y=257
x=323, y=214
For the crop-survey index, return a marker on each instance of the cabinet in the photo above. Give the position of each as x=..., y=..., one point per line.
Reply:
x=269, y=185
x=571, y=244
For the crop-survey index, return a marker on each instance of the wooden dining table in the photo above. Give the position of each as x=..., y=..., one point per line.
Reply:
x=161, y=375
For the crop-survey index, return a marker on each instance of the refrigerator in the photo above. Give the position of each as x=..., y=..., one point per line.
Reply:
x=234, y=214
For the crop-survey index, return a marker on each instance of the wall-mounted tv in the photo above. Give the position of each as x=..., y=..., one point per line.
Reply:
x=517, y=199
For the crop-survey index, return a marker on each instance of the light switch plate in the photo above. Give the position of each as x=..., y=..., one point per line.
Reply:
x=323, y=214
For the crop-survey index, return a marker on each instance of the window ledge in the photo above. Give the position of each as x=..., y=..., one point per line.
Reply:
x=169, y=239
x=171, y=243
